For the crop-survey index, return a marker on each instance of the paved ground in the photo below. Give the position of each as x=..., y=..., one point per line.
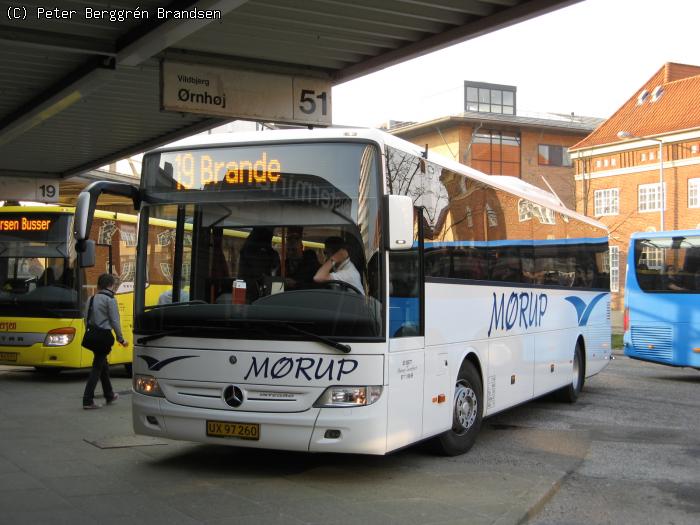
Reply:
x=61, y=464
x=643, y=462
x=52, y=470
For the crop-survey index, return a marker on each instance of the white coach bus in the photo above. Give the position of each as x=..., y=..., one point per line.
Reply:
x=472, y=294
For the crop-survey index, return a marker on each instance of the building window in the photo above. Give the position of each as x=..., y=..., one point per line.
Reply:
x=470, y=220
x=693, y=193
x=128, y=237
x=650, y=197
x=489, y=98
x=128, y=272
x=607, y=202
x=544, y=215
x=527, y=210
x=553, y=156
x=491, y=216
x=644, y=157
x=524, y=210
x=613, y=162
x=495, y=153
x=614, y=268
x=598, y=163
x=653, y=258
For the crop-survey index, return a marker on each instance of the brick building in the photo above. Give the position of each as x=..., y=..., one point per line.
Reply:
x=653, y=140
x=491, y=137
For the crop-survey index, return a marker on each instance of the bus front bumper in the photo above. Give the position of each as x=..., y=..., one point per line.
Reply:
x=360, y=430
x=39, y=355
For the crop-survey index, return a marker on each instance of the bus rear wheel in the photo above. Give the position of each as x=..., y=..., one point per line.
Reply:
x=570, y=393
x=467, y=412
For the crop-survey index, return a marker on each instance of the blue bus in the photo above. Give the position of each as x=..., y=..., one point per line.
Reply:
x=662, y=305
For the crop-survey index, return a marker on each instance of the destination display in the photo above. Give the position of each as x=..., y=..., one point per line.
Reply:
x=198, y=170
x=24, y=224
x=32, y=227
x=324, y=174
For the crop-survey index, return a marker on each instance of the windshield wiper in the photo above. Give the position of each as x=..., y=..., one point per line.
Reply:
x=346, y=349
x=180, y=331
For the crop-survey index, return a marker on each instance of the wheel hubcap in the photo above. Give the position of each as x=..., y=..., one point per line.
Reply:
x=466, y=408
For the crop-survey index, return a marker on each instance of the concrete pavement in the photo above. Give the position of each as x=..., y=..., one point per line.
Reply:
x=62, y=464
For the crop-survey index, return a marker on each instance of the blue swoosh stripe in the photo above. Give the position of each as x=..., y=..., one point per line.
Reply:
x=155, y=365
x=583, y=312
x=587, y=313
x=579, y=305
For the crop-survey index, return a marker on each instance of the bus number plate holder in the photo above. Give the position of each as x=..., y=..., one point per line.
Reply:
x=250, y=431
x=9, y=356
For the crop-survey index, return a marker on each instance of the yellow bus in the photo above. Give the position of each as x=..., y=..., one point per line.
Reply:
x=43, y=289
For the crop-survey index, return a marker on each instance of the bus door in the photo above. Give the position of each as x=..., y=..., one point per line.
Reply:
x=406, y=344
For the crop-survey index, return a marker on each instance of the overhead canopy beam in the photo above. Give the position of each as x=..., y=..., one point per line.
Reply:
x=61, y=96
x=57, y=41
x=169, y=33
x=95, y=73
x=111, y=102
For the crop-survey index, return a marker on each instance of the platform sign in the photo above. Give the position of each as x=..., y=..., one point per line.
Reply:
x=252, y=95
x=29, y=189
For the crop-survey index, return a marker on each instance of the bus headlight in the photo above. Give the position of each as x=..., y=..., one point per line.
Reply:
x=147, y=385
x=59, y=336
x=348, y=396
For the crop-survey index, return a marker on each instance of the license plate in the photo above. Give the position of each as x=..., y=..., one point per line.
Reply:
x=235, y=430
x=9, y=356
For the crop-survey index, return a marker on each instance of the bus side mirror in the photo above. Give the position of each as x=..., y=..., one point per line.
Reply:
x=400, y=219
x=83, y=219
x=87, y=257
x=85, y=206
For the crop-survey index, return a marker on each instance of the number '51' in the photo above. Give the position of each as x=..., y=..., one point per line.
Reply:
x=308, y=103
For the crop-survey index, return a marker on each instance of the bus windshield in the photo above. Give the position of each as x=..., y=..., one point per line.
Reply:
x=668, y=264
x=37, y=266
x=263, y=222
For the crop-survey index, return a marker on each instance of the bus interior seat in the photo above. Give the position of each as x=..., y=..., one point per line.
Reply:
x=258, y=259
x=47, y=278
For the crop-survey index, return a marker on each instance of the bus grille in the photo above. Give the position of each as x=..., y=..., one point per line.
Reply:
x=655, y=342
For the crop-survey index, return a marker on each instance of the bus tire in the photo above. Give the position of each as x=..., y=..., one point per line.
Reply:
x=467, y=412
x=570, y=393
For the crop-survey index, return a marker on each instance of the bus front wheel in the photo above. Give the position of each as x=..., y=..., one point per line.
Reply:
x=570, y=393
x=467, y=411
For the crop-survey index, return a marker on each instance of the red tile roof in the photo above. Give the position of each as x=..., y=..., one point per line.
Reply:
x=676, y=109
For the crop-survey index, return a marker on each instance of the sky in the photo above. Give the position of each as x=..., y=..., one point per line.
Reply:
x=588, y=58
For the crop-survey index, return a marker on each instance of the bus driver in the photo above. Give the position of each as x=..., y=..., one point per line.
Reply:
x=338, y=266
